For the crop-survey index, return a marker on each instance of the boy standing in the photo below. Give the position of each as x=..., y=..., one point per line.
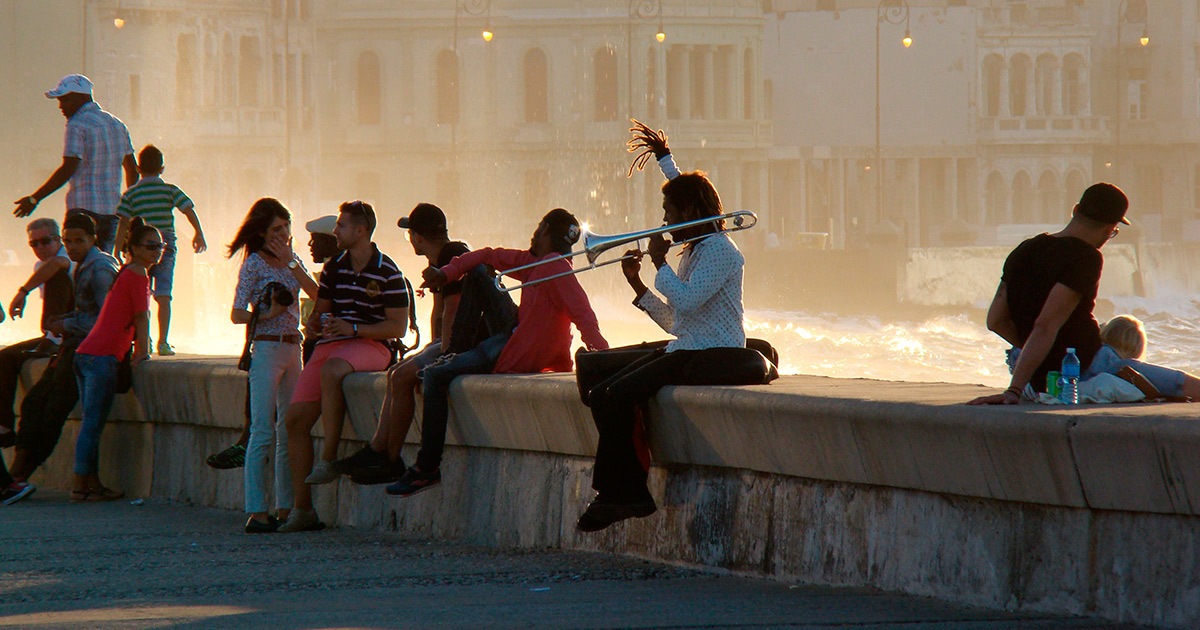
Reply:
x=153, y=199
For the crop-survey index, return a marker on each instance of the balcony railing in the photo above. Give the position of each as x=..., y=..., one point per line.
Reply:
x=1035, y=129
x=1025, y=15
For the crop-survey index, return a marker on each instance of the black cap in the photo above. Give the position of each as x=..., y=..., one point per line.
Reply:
x=1105, y=203
x=425, y=219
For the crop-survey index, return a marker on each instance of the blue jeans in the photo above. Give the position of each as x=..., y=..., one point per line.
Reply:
x=273, y=373
x=162, y=275
x=436, y=383
x=97, y=379
x=1168, y=382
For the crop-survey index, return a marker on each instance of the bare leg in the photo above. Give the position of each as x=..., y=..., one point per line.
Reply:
x=1191, y=387
x=20, y=468
x=164, y=316
x=403, y=408
x=333, y=404
x=300, y=420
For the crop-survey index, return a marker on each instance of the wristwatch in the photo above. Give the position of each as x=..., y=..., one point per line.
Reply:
x=292, y=264
x=35, y=200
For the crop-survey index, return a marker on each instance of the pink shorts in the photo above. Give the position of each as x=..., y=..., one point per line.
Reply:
x=363, y=355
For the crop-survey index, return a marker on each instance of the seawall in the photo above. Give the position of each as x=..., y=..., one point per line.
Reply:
x=892, y=485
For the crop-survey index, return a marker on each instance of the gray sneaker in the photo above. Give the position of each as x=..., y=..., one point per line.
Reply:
x=301, y=521
x=322, y=473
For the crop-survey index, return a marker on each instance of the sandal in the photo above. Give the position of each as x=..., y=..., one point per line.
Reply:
x=105, y=494
x=80, y=496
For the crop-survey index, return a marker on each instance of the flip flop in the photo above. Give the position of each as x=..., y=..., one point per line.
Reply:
x=105, y=494
x=80, y=496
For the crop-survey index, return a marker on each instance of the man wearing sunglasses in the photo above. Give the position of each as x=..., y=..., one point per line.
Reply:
x=362, y=304
x=48, y=403
x=1044, y=304
x=52, y=276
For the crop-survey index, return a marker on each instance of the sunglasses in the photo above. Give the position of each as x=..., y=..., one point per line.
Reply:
x=40, y=242
x=153, y=246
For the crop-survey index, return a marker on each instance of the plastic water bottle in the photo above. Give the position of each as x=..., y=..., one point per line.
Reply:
x=1070, y=378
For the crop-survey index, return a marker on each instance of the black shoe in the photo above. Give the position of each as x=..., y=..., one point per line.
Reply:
x=394, y=472
x=414, y=481
x=232, y=457
x=45, y=348
x=255, y=526
x=602, y=513
x=366, y=460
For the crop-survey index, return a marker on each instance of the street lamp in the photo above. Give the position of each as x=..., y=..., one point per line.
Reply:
x=892, y=12
x=1132, y=11
x=476, y=8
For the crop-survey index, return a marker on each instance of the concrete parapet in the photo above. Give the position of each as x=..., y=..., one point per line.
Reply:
x=1089, y=510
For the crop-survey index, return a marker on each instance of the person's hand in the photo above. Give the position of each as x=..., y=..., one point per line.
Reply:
x=645, y=142
x=138, y=357
x=337, y=327
x=56, y=326
x=432, y=278
x=25, y=207
x=657, y=249
x=280, y=247
x=1008, y=397
x=631, y=264
x=16, y=308
x=276, y=310
x=198, y=244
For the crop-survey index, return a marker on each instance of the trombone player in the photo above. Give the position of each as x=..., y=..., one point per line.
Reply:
x=700, y=305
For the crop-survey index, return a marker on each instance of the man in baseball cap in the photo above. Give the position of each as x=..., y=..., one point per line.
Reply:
x=1047, y=293
x=97, y=149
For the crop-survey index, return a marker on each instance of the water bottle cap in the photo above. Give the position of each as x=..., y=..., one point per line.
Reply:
x=1071, y=350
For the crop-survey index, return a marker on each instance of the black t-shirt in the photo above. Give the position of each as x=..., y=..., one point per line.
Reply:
x=1031, y=271
x=449, y=252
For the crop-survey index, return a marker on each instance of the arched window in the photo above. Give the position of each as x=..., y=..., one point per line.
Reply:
x=249, y=70
x=1075, y=184
x=1050, y=198
x=185, y=72
x=228, y=73
x=1048, y=84
x=447, y=87
x=993, y=72
x=604, y=70
x=1019, y=74
x=996, y=199
x=749, y=111
x=1023, y=209
x=536, y=90
x=1074, y=88
x=368, y=89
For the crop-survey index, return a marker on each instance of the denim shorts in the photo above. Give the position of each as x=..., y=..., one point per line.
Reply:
x=162, y=275
x=1168, y=382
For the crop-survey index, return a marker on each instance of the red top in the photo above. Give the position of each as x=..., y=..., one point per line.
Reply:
x=112, y=334
x=542, y=340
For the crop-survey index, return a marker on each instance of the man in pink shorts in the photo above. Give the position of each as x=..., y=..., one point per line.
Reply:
x=361, y=305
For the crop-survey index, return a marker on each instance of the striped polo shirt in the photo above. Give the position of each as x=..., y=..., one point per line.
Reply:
x=154, y=201
x=361, y=297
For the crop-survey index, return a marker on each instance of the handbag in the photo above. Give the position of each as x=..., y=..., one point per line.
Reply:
x=125, y=373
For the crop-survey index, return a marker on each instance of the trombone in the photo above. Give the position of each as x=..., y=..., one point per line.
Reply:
x=596, y=244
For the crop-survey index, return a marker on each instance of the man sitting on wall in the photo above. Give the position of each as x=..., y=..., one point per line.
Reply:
x=1045, y=300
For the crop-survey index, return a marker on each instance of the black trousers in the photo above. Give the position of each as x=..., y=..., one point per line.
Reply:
x=483, y=311
x=47, y=405
x=11, y=359
x=619, y=475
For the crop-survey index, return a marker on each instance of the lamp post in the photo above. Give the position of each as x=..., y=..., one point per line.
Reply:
x=892, y=12
x=645, y=11
x=1140, y=13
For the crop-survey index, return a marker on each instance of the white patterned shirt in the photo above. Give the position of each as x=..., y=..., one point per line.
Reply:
x=101, y=142
x=703, y=307
x=253, y=277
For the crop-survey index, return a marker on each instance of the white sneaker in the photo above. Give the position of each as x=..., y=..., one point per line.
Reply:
x=301, y=521
x=322, y=473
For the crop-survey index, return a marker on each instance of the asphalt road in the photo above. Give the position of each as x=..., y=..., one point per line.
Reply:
x=162, y=565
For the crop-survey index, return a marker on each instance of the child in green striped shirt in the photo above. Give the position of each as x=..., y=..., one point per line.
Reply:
x=154, y=201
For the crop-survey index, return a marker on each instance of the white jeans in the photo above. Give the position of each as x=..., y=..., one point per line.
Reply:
x=273, y=372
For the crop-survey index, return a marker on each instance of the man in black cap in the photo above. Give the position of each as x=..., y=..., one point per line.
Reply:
x=1046, y=296
x=379, y=461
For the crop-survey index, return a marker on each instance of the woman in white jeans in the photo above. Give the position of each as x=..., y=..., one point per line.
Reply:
x=268, y=281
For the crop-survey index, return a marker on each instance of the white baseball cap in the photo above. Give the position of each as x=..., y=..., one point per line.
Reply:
x=322, y=225
x=76, y=83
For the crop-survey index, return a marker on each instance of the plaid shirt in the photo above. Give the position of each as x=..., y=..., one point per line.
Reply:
x=101, y=142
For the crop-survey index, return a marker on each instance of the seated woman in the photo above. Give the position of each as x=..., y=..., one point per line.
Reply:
x=124, y=320
x=701, y=305
x=1126, y=335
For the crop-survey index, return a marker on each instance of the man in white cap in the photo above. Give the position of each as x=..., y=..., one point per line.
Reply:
x=97, y=149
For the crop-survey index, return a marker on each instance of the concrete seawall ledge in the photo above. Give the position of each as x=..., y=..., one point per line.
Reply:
x=1091, y=510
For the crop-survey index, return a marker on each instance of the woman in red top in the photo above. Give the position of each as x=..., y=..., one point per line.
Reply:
x=124, y=319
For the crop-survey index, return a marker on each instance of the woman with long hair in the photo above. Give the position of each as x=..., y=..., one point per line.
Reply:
x=269, y=279
x=124, y=320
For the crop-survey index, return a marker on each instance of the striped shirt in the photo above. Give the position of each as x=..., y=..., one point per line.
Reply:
x=361, y=297
x=101, y=142
x=153, y=200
